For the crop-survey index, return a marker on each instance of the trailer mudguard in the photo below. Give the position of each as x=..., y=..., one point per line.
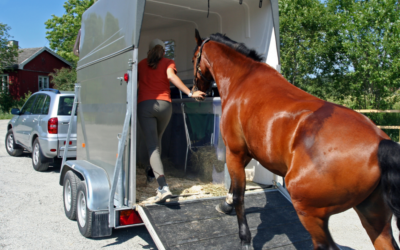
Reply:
x=97, y=183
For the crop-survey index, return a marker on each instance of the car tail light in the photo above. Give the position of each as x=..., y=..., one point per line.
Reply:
x=129, y=217
x=70, y=142
x=126, y=77
x=52, y=125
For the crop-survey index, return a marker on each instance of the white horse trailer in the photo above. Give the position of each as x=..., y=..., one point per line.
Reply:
x=100, y=187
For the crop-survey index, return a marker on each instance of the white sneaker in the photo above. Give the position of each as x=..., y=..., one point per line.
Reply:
x=162, y=195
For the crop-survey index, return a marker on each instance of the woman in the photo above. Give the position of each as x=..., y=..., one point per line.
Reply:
x=155, y=108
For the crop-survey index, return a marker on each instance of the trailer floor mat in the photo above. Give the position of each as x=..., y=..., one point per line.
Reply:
x=196, y=224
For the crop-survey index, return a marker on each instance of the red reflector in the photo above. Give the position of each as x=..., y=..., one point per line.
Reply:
x=126, y=77
x=70, y=142
x=129, y=217
x=53, y=150
x=52, y=125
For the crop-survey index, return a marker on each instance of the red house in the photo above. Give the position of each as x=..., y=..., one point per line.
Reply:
x=31, y=73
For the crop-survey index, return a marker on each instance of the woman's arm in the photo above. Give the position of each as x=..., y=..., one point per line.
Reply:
x=180, y=85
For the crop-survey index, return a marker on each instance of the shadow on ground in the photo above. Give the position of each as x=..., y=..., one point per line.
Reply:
x=122, y=235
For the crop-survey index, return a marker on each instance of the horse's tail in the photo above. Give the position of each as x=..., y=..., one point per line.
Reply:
x=389, y=161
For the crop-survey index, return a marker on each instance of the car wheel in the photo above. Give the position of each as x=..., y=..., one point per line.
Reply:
x=37, y=157
x=69, y=194
x=84, y=215
x=11, y=147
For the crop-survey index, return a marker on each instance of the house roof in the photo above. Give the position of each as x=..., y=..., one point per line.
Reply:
x=27, y=55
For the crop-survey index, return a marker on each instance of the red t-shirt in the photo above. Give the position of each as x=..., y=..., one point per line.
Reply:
x=153, y=83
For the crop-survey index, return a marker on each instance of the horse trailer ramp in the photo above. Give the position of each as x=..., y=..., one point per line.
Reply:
x=196, y=224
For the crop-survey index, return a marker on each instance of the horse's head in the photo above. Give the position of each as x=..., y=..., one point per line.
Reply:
x=202, y=76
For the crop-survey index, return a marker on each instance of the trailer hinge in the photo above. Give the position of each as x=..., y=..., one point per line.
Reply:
x=130, y=63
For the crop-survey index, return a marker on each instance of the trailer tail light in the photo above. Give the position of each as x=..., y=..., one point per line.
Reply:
x=126, y=77
x=52, y=125
x=70, y=142
x=129, y=217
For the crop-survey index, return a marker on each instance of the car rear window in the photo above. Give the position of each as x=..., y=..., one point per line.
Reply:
x=65, y=105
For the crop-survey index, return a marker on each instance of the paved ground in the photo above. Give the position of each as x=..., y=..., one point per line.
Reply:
x=32, y=215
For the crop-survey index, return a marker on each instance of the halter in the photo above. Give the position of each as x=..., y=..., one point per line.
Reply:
x=198, y=70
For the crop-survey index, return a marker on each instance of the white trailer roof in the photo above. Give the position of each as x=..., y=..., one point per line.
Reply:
x=112, y=26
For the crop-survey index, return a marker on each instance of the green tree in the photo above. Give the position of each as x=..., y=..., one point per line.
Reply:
x=64, y=79
x=311, y=53
x=8, y=54
x=62, y=31
x=370, y=35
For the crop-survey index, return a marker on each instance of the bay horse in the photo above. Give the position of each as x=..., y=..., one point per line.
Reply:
x=332, y=157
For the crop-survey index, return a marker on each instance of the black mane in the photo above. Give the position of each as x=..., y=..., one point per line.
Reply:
x=239, y=47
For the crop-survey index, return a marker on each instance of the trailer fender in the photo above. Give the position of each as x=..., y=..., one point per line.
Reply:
x=96, y=181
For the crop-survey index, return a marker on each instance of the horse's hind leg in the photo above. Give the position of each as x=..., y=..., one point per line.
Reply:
x=236, y=164
x=318, y=228
x=376, y=217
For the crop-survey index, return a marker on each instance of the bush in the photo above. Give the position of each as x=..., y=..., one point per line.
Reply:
x=6, y=102
x=64, y=79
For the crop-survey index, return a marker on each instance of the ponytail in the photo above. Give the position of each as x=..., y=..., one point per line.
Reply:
x=154, y=56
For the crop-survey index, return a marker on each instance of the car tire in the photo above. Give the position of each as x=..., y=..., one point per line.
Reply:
x=11, y=147
x=69, y=194
x=37, y=157
x=83, y=214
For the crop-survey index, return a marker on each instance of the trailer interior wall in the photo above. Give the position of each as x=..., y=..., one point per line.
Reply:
x=176, y=20
x=110, y=32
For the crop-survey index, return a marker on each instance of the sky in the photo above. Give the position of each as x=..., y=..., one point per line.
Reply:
x=26, y=19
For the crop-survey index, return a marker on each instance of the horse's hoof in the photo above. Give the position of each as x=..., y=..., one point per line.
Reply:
x=246, y=246
x=224, y=208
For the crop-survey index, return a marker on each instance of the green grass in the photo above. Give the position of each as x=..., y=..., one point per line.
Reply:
x=5, y=116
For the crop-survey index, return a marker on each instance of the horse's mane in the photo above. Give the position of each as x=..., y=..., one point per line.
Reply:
x=239, y=47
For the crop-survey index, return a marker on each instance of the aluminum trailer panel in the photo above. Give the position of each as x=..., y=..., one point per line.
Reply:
x=196, y=224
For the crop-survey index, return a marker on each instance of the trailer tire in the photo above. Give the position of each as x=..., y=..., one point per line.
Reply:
x=83, y=214
x=69, y=194
x=37, y=157
x=11, y=147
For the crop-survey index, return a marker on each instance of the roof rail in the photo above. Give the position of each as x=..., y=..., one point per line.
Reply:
x=52, y=90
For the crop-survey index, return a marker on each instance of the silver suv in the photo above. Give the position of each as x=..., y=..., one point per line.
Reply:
x=41, y=127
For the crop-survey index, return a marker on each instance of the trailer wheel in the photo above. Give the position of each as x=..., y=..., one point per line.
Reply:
x=37, y=157
x=84, y=215
x=69, y=194
x=12, y=148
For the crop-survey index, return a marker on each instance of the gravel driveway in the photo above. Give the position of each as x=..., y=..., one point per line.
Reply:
x=32, y=214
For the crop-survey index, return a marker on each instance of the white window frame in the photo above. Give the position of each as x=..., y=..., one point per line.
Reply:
x=40, y=79
x=4, y=85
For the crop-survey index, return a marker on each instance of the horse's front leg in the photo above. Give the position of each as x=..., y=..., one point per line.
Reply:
x=236, y=163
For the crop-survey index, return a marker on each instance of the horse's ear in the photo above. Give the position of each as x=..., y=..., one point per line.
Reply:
x=199, y=41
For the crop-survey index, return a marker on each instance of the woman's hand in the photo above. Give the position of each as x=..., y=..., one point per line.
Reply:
x=198, y=94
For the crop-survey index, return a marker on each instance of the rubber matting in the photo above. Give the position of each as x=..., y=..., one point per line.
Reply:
x=196, y=224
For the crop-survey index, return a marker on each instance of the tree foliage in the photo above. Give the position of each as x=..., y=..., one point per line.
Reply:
x=311, y=50
x=64, y=79
x=62, y=31
x=8, y=55
x=347, y=51
x=370, y=35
